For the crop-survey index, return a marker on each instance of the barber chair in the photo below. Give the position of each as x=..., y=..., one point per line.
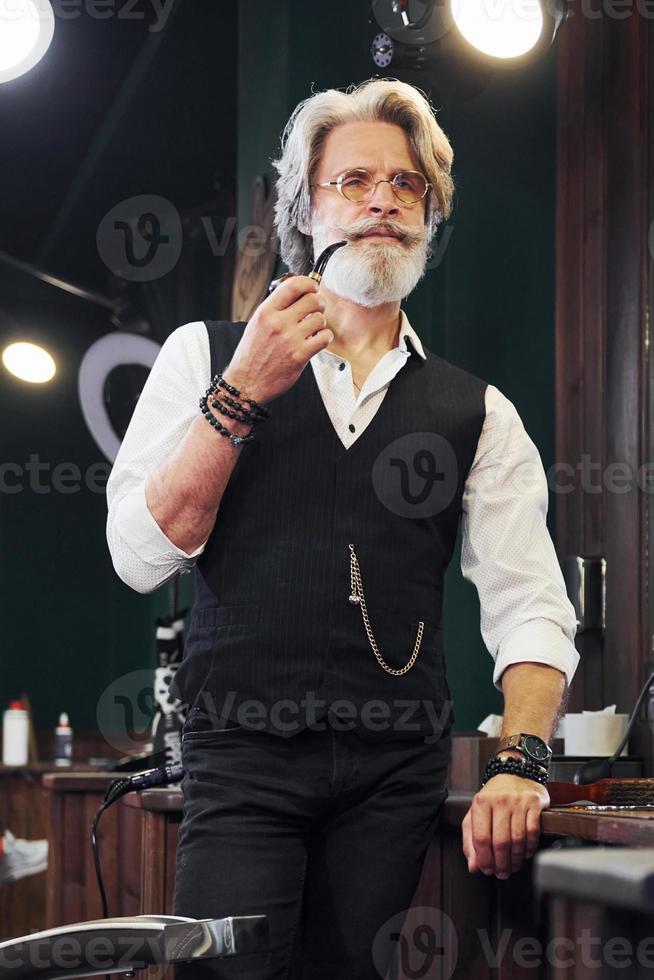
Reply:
x=123, y=945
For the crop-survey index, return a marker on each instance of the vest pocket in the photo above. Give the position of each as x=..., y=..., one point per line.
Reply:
x=211, y=617
x=211, y=628
x=202, y=723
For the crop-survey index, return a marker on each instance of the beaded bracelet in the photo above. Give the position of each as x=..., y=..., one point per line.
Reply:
x=513, y=767
x=241, y=416
x=258, y=413
x=230, y=401
x=519, y=764
x=219, y=427
x=259, y=410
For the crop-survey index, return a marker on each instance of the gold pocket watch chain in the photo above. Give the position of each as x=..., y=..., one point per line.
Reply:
x=357, y=599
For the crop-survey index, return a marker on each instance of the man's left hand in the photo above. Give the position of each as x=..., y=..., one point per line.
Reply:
x=502, y=827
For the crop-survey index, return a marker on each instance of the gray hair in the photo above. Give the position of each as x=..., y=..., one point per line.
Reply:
x=375, y=100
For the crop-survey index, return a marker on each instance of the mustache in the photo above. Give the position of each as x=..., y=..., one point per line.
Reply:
x=409, y=234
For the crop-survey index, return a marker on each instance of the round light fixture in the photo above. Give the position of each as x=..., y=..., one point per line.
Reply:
x=421, y=34
x=26, y=30
x=29, y=362
x=505, y=30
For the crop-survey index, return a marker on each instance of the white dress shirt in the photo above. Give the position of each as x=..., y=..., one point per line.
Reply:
x=506, y=551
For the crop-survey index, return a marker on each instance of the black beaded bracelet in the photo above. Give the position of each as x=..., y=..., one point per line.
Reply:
x=237, y=405
x=219, y=427
x=252, y=418
x=259, y=410
x=514, y=767
x=520, y=764
x=241, y=416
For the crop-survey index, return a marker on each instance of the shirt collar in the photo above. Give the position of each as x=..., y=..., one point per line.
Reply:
x=408, y=333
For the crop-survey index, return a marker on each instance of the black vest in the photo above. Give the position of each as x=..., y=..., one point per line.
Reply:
x=275, y=642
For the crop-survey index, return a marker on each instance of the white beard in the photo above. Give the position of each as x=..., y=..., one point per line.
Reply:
x=373, y=272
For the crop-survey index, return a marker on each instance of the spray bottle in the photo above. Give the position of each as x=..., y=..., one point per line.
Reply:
x=63, y=754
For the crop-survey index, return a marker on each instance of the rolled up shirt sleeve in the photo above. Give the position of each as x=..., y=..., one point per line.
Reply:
x=143, y=556
x=507, y=551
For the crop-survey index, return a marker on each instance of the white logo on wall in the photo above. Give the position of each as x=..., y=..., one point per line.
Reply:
x=99, y=361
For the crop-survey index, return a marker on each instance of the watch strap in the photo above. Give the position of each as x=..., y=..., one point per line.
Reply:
x=516, y=743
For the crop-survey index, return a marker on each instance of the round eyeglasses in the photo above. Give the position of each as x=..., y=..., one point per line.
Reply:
x=408, y=186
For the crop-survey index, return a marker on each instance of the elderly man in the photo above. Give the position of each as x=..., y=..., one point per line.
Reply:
x=319, y=507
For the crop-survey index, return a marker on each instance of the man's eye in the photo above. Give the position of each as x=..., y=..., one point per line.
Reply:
x=353, y=181
x=404, y=183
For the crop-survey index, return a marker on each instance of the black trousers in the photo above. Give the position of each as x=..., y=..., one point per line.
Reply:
x=323, y=832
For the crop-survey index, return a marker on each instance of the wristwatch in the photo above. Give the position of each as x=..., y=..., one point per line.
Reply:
x=531, y=746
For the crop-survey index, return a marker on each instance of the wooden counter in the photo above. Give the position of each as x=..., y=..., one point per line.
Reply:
x=633, y=828
x=72, y=800
x=160, y=811
x=488, y=917
x=24, y=811
x=491, y=918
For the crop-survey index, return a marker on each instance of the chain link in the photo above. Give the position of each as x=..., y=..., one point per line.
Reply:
x=357, y=598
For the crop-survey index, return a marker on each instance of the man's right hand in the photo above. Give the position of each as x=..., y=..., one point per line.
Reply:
x=284, y=333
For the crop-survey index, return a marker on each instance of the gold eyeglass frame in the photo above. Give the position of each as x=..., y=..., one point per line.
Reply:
x=338, y=184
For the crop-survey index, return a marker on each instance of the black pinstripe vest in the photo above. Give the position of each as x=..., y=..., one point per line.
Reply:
x=275, y=642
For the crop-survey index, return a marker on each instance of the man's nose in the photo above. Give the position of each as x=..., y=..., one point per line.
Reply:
x=382, y=200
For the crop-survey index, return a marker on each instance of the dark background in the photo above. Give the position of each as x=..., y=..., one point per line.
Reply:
x=194, y=113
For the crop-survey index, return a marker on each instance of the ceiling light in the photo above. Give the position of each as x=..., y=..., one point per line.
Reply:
x=26, y=30
x=29, y=362
x=417, y=34
x=500, y=30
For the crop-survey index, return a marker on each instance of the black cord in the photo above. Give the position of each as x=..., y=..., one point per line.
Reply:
x=116, y=789
x=590, y=772
x=159, y=776
x=96, y=859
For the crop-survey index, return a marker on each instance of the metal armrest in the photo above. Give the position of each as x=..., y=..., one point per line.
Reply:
x=129, y=943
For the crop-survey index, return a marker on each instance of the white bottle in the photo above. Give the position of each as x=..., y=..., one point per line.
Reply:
x=15, y=735
x=63, y=742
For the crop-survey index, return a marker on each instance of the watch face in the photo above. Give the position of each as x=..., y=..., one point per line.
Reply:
x=536, y=748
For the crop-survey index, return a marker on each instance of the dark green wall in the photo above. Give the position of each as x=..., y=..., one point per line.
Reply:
x=70, y=626
x=489, y=305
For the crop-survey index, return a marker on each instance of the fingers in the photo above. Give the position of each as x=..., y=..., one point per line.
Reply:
x=482, y=840
x=533, y=831
x=310, y=303
x=518, y=839
x=500, y=830
x=468, y=848
x=319, y=340
x=290, y=291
